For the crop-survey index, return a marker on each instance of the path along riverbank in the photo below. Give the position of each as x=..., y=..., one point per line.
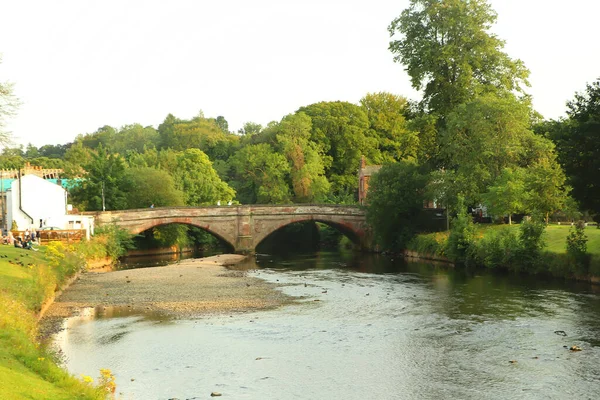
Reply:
x=188, y=289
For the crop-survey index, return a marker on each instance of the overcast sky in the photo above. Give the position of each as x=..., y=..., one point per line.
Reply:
x=78, y=65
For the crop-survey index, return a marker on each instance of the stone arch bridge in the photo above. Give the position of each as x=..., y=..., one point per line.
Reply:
x=244, y=227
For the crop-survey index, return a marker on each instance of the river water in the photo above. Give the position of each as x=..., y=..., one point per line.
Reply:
x=365, y=327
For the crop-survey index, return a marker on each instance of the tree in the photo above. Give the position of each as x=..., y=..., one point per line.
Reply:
x=578, y=145
x=197, y=179
x=259, y=175
x=145, y=186
x=307, y=172
x=8, y=107
x=396, y=195
x=389, y=127
x=134, y=137
x=483, y=137
x=101, y=189
x=449, y=53
x=507, y=194
x=339, y=129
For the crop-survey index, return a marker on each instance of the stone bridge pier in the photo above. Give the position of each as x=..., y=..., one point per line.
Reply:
x=244, y=227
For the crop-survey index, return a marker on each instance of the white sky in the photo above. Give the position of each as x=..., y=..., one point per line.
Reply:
x=78, y=65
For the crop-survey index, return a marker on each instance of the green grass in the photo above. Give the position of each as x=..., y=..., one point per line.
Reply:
x=556, y=239
x=27, y=370
x=555, y=251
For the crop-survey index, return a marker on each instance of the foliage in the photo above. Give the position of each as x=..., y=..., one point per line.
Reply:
x=462, y=235
x=577, y=247
x=388, y=126
x=531, y=243
x=429, y=243
x=145, y=186
x=396, y=195
x=307, y=171
x=259, y=175
x=196, y=178
x=578, y=145
x=448, y=51
x=102, y=186
x=507, y=194
x=339, y=130
x=498, y=248
x=116, y=239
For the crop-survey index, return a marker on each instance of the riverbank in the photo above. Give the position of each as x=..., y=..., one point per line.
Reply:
x=495, y=246
x=27, y=370
x=187, y=289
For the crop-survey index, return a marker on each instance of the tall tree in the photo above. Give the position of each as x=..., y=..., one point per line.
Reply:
x=396, y=197
x=259, y=175
x=307, y=171
x=578, y=144
x=101, y=188
x=339, y=130
x=145, y=186
x=449, y=52
x=389, y=127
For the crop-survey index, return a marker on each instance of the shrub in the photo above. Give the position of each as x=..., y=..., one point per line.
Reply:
x=462, y=236
x=497, y=248
x=577, y=248
x=531, y=243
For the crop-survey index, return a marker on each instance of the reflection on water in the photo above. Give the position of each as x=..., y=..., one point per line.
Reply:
x=366, y=327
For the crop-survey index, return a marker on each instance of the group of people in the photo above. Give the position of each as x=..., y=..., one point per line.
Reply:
x=24, y=241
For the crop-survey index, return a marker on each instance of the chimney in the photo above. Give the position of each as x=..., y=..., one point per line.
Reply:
x=363, y=162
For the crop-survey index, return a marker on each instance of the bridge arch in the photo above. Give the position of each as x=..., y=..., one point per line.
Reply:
x=346, y=230
x=180, y=221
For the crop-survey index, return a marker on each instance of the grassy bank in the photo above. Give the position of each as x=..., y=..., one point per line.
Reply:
x=554, y=255
x=27, y=370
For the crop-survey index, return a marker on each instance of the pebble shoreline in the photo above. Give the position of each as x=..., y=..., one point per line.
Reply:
x=188, y=289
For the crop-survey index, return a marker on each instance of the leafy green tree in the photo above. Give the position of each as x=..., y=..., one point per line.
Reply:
x=578, y=145
x=145, y=186
x=482, y=138
x=307, y=171
x=259, y=175
x=75, y=158
x=396, y=195
x=545, y=184
x=389, y=127
x=198, y=180
x=134, y=138
x=250, y=128
x=461, y=240
x=449, y=52
x=201, y=133
x=101, y=188
x=507, y=194
x=339, y=130
x=103, y=136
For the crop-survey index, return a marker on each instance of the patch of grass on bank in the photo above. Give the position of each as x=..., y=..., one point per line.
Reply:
x=554, y=253
x=27, y=370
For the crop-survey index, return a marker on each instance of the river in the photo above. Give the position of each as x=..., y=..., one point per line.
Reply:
x=365, y=327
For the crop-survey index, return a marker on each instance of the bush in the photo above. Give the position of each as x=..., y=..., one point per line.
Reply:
x=531, y=243
x=462, y=236
x=577, y=248
x=116, y=240
x=497, y=248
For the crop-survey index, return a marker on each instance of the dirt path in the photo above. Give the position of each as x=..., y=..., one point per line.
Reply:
x=190, y=288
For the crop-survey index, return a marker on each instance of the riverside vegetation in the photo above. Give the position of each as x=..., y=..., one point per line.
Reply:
x=28, y=280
